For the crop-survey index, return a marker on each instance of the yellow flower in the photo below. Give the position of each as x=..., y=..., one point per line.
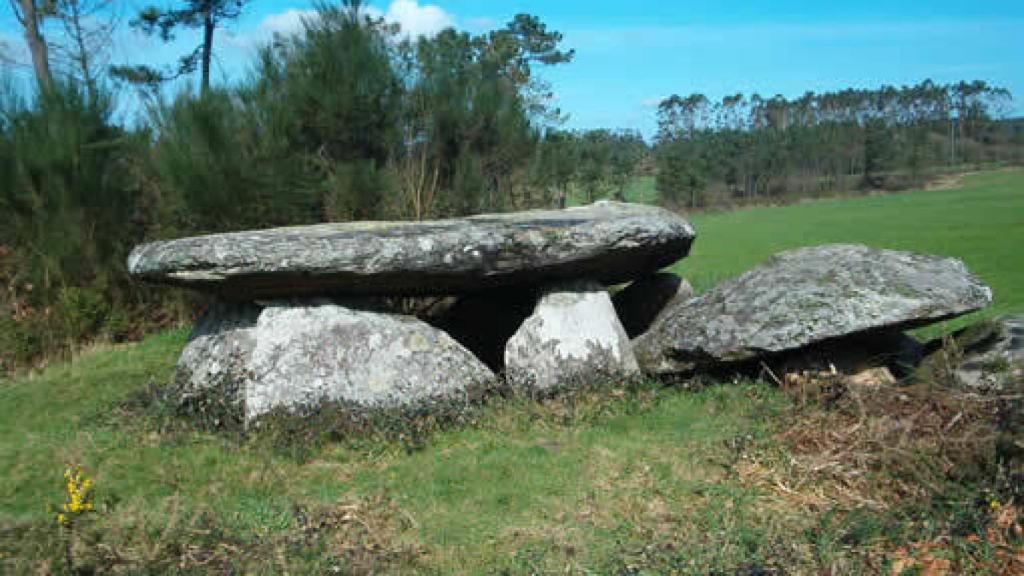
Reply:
x=77, y=497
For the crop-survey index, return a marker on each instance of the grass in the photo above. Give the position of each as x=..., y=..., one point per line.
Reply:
x=615, y=479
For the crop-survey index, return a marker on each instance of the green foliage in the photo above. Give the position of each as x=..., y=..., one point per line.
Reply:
x=66, y=204
x=74, y=199
x=83, y=310
x=220, y=168
x=20, y=342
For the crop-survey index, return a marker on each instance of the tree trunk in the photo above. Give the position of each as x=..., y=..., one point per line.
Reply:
x=81, y=58
x=36, y=43
x=208, y=27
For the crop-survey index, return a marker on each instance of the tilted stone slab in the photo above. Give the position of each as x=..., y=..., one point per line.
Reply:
x=572, y=335
x=805, y=296
x=609, y=241
x=298, y=354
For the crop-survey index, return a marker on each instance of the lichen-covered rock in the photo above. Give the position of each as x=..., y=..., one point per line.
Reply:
x=297, y=354
x=573, y=333
x=218, y=353
x=609, y=241
x=805, y=296
x=640, y=303
x=306, y=354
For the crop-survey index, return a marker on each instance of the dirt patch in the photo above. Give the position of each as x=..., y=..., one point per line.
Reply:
x=947, y=181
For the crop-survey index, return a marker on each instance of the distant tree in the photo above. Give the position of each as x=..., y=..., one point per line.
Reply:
x=878, y=151
x=628, y=148
x=556, y=164
x=595, y=162
x=207, y=15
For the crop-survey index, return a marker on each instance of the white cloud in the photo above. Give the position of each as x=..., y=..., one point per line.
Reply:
x=284, y=23
x=415, y=20
x=418, y=20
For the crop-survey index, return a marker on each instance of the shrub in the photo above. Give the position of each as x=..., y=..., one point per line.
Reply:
x=82, y=310
x=20, y=343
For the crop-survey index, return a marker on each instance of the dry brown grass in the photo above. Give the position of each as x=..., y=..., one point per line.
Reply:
x=862, y=440
x=867, y=442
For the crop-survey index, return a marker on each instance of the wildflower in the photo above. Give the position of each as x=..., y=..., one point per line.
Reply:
x=78, y=497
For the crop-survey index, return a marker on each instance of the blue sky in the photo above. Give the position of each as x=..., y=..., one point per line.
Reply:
x=631, y=54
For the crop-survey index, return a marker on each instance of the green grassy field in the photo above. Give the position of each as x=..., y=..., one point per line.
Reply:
x=640, y=479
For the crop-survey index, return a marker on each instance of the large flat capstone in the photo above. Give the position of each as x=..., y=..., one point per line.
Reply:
x=805, y=296
x=611, y=242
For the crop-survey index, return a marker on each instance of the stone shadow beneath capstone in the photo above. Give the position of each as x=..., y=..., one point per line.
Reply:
x=892, y=349
x=484, y=322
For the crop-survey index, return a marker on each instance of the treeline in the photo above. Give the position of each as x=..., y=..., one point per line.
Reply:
x=752, y=148
x=346, y=120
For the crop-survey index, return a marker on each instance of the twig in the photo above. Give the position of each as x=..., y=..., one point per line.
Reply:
x=953, y=422
x=770, y=373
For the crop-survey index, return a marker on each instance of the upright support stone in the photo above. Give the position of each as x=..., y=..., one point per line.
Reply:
x=573, y=333
x=298, y=354
x=218, y=353
x=306, y=354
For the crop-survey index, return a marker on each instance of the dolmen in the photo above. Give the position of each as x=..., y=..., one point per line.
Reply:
x=305, y=315
x=544, y=299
